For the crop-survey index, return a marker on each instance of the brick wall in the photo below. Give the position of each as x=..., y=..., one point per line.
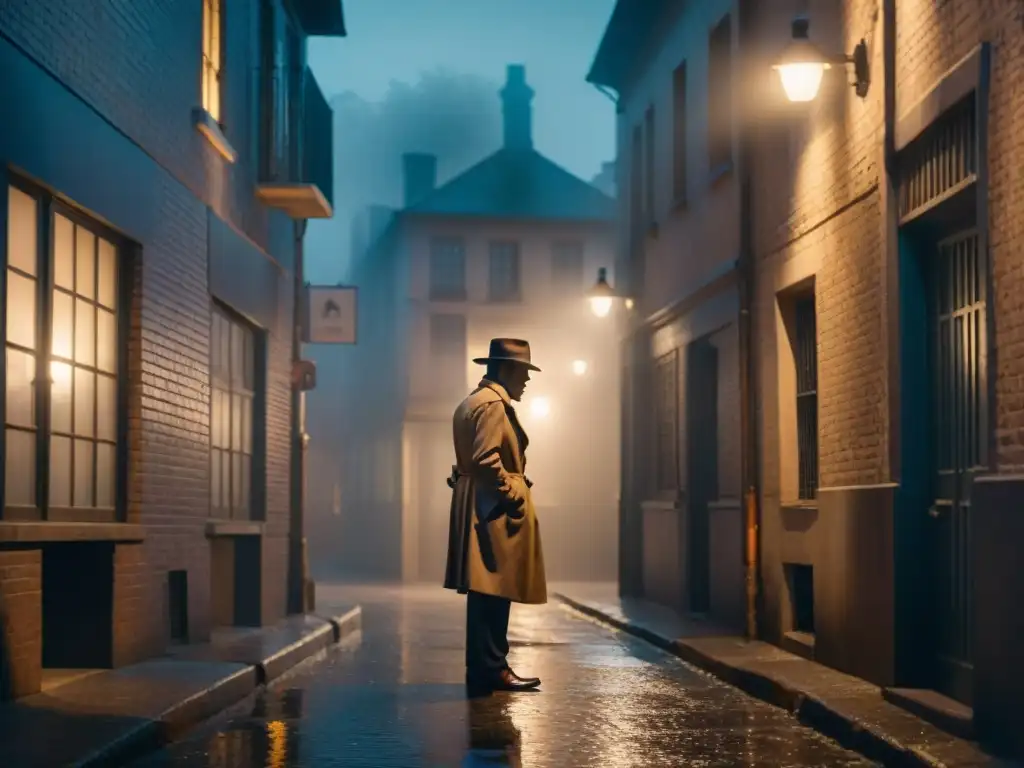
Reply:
x=932, y=38
x=21, y=619
x=137, y=633
x=137, y=63
x=816, y=202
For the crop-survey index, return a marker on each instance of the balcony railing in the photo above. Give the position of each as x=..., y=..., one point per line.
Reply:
x=297, y=163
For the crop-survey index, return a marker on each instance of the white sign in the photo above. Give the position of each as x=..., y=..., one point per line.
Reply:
x=332, y=314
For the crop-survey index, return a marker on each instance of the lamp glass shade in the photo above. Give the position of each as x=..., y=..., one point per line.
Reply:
x=601, y=305
x=801, y=80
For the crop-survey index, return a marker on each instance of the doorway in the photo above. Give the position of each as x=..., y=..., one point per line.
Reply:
x=957, y=320
x=702, y=466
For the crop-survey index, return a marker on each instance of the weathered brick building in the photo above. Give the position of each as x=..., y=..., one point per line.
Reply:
x=882, y=229
x=157, y=162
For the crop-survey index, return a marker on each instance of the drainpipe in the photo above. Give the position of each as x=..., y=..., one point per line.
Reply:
x=297, y=563
x=748, y=403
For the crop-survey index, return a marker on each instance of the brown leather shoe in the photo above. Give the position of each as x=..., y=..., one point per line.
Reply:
x=506, y=680
x=510, y=681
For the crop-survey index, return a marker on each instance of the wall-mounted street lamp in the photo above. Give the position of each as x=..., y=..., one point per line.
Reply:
x=579, y=367
x=802, y=65
x=602, y=296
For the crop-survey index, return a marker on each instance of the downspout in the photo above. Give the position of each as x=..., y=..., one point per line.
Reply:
x=748, y=403
x=297, y=561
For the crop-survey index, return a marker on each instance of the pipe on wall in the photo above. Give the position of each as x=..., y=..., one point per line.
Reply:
x=748, y=424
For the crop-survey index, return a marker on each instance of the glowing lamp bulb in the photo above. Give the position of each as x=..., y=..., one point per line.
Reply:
x=579, y=367
x=540, y=407
x=601, y=305
x=801, y=81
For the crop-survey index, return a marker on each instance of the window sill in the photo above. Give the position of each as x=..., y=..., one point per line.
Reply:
x=55, y=531
x=208, y=127
x=719, y=173
x=217, y=528
x=504, y=299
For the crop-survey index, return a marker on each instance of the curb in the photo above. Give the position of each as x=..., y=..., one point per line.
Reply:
x=154, y=734
x=810, y=710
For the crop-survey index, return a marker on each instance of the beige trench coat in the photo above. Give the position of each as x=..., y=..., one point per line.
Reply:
x=493, y=536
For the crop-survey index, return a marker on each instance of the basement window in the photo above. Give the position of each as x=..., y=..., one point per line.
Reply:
x=801, y=594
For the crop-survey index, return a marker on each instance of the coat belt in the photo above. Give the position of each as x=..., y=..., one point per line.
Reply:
x=457, y=473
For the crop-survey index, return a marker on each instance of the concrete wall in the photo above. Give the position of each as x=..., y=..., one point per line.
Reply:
x=103, y=104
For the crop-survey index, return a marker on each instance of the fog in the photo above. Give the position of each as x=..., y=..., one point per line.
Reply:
x=379, y=420
x=448, y=114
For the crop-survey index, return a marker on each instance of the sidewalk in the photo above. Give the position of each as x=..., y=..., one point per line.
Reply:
x=845, y=708
x=105, y=717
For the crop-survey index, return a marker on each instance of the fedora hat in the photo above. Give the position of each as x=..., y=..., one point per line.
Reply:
x=508, y=351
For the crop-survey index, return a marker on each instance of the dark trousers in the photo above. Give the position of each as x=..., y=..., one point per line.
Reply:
x=486, y=633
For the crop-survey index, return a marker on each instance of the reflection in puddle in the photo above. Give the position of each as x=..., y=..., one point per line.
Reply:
x=494, y=738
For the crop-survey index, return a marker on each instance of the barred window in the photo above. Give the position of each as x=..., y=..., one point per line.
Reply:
x=806, y=359
x=666, y=419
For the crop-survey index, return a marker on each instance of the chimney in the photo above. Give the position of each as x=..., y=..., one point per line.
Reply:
x=516, y=98
x=420, y=176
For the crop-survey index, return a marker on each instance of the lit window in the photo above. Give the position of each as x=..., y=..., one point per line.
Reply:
x=233, y=374
x=77, y=463
x=213, y=50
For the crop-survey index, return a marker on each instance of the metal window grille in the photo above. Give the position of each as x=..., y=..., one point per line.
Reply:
x=447, y=269
x=666, y=383
x=504, y=273
x=806, y=358
x=940, y=162
x=232, y=410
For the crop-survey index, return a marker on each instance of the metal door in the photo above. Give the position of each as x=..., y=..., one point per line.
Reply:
x=702, y=466
x=959, y=424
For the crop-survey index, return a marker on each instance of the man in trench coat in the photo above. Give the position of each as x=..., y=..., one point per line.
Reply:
x=494, y=550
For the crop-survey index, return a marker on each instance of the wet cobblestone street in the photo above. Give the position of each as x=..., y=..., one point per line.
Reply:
x=394, y=697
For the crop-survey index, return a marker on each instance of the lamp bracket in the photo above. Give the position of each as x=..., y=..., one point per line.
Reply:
x=861, y=68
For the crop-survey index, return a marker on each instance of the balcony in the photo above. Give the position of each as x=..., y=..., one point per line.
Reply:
x=297, y=168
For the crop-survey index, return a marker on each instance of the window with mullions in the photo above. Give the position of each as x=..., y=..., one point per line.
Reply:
x=807, y=396
x=213, y=53
x=61, y=430
x=233, y=379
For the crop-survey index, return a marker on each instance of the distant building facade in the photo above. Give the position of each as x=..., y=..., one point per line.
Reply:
x=884, y=260
x=156, y=168
x=507, y=248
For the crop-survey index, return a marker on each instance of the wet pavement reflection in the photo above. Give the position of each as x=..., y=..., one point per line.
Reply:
x=394, y=697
